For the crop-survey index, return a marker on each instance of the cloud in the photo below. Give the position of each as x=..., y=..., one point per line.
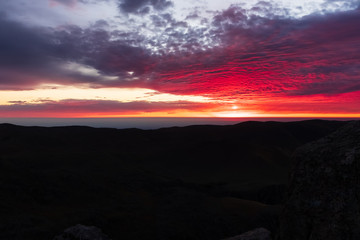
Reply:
x=142, y=6
x=21, y=46
x=68, y=3
x=26, y=54
x=270, y=55
x=341, y=4
x=73, y=3
x=238, y=55
x=81, y=108
x=34, y=55
x=346, y=103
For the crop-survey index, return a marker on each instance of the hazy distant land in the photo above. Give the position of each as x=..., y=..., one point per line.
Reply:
x=145, y=122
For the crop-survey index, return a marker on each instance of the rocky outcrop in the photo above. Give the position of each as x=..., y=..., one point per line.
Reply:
x=257, y=234
x=324, y=193
x=81, y=232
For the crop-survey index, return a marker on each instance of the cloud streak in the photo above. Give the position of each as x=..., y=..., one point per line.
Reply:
x=99, y=108
x=143, y=6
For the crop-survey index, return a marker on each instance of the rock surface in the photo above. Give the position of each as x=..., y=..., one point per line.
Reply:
x=324, y=192
x=256, y=234
x=81, y=232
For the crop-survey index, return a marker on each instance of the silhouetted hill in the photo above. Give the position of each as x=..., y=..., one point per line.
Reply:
x=196, y=182
x=323, y=197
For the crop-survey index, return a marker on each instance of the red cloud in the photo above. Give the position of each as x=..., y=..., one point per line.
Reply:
x=270, y=57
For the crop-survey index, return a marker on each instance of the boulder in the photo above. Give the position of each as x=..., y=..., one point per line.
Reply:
x=256, y=234
x=324, y=192
x=81, y=232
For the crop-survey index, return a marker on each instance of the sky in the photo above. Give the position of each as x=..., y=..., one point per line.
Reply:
x=179, y=58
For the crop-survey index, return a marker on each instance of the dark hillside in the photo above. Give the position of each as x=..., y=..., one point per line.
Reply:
x=196, y=182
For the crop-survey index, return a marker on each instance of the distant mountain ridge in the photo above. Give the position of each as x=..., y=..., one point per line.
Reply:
x=225, y=150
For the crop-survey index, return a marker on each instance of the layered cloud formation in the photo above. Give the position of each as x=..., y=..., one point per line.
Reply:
x=260, y=59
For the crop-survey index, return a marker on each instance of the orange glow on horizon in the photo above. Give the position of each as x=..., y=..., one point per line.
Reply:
x=72, y=102
x=177, y=114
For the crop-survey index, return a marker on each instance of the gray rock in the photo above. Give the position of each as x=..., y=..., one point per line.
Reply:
x=324, y=192
x=81, y=232
x=256, y=234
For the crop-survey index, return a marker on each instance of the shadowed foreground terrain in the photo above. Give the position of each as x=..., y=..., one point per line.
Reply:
x=196, y=182
x=324, y=190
